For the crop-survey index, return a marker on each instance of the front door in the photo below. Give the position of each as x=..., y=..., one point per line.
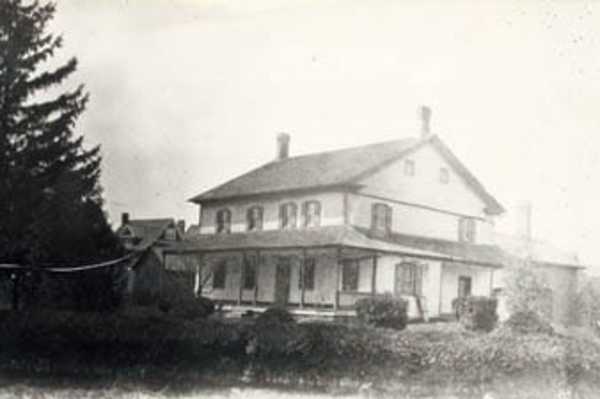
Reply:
x=282, y=281
x=464, y=286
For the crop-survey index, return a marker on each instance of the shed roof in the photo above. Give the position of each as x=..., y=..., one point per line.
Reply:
x=343, y=236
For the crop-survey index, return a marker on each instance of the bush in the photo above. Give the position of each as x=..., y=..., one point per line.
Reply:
x=382, y=311
x=188, y=307
x=477, y=312
x=528, y=322
x=275, y=315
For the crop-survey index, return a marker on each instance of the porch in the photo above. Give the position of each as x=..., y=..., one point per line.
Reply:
x=324, y=271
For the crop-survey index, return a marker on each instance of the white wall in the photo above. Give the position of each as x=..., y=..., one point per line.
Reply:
x=481, y=279
x=416, y=221
x=332, y=211
x=425, y=187
x=445, y=203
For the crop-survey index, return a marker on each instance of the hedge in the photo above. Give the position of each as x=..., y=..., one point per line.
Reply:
x=383, y=311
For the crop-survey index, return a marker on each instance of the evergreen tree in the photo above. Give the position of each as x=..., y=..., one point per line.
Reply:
x=50, y=197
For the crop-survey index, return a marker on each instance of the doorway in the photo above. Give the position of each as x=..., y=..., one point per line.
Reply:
x=282, y=281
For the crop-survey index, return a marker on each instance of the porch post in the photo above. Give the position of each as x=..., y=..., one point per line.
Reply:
x=374, y=276
x=336, y=302
x=242, y=270
x=256, y=279
x=301, y=276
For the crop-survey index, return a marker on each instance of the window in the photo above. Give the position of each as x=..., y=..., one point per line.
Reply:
x=409, y=167
x=254, y=218
x=409, y=279
x=312, y=213
x=466, y=229
x=350, y=275
x=288, y=215
x=381, y=218
x=464, y=286
x=223, y=221
x=170, y=234
x=220, y=275
x=250, y=264
x=444, y=176
x=307, y=275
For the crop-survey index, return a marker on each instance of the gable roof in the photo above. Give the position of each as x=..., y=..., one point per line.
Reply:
x=340, y=168
x=149, y=231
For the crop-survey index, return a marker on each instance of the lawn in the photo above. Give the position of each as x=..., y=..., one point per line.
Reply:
x=149, y=354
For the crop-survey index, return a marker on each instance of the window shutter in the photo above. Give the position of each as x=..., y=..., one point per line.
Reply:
x=282, y=223
x=374, y=216
x=418, y=280
x=388, y=219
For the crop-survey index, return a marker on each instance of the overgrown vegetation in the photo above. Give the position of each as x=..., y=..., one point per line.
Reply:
x=147, y=344
x=477, y=312
x=383, y=311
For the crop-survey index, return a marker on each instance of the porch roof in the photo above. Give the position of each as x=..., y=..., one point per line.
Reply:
x=329, y=236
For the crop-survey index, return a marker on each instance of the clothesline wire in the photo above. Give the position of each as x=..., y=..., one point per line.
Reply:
x=109, y=263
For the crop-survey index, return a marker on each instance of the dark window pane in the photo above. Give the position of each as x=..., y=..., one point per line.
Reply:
x=350, y=275
x=249, y=273
x=219, y=275
x=307, y=275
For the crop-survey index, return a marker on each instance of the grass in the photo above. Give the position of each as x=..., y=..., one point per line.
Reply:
x=145, y=352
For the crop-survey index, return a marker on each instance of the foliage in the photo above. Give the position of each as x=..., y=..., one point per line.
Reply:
x=527, y=290
x=50, y=197
x=77, y=344
x=383, y=311
x=275, y=315
x=586, y=304
x=188, y=307
x=528, y=322
x=477, y=312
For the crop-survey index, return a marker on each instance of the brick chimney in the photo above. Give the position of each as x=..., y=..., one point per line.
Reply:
x=283, y=146
x=425, y=115
x=124, y=218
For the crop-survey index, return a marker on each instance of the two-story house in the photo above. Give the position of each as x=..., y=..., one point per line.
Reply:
x=320, y=231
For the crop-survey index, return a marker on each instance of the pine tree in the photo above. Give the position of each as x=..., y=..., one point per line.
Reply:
x=50, y=196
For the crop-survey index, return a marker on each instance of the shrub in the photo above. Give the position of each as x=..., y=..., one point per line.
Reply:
x=188, y=307
x=275, y=315
x=477, y=312
x=528, y=322
x=383, y=311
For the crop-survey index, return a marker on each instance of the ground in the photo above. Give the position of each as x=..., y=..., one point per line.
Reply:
x=148, y=355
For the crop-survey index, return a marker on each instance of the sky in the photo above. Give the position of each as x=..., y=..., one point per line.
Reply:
x=185, y=95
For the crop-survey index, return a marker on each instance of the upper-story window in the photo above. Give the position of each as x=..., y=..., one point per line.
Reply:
x=444, y=176
x=223, y=221
x=311, y=211
x=381, y=218
x=254, y=218
x=466, y=229
x=409, y=167
x=288, y=215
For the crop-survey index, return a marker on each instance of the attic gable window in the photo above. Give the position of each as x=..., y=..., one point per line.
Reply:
x=466, y=229
x=381, y=218
x=254, y=218
x=223, y=221
x=409, y=167
x=288, y=214
x=311, y=211
x=444, y=176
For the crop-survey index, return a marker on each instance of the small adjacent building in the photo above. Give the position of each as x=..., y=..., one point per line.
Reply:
x=148, y=238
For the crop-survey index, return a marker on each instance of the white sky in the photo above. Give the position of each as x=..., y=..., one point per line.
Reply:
x=188, y=94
